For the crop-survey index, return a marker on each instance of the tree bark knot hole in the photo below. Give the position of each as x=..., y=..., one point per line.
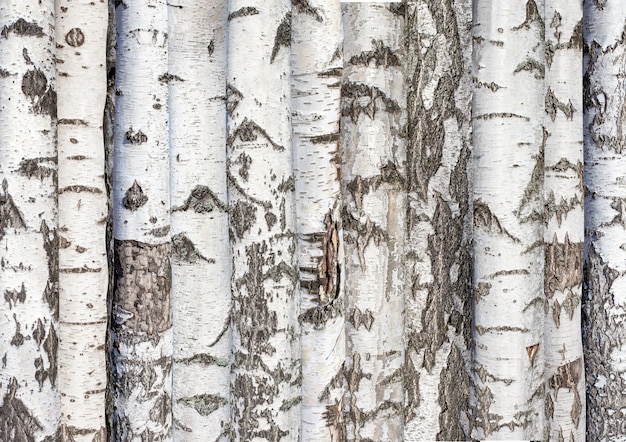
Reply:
x=75, y=38
x=134, y=198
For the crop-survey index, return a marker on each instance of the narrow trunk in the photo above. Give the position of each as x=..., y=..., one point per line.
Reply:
x=564, y=221
x=507, y=390
x=141, y=323
x=29, y=408
x=81, y=29
x=374, y=183
x=266, y=368
x=201, y=262
x=317, y=62
x=604, y=100
x=438, y=309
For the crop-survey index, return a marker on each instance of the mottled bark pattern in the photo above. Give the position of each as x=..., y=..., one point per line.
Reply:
x=266, y=370
x=438, y=317
x=604, y=304
x=507, y=383
x=29, y=328
x=374, y=182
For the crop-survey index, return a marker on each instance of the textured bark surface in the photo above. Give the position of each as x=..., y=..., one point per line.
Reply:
x=29, y=399
x=604, y=99
x=374, y=180
x=266, y=368
x=316, y=67
x=507, y=388
x=438, y=307
x=81, y=30
x=564, y=221
x=141, y=325
x=201, y=262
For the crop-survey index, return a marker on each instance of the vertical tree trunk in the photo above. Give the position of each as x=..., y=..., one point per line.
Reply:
x=564, y=218
x=81, y=29
x=507, y=392
x=201, y=263
x=374, y=218
x=266, y=370
x=605, y=217
x=29, y=407
x=317, y=63
x=438, y=317
x=141, y=324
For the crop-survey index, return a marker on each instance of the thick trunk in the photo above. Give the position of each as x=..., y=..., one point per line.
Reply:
x=266, y=369
x=374, y=154
x=201, y=263
x=507, y=391
x=29, y=408
x=317, y=63
x=141, y=318
x=564, y=221
x=81, y=30
x=438, y=317
x=605, y=218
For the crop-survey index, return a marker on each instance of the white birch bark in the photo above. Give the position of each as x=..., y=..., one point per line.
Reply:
x=374, y=219
x=201, y=263
x=266, y=368
x=438, y=308
x=564, y=218
x=605, y=218
x=29, y=407
x=81, y=30
x=507, y=390
x=141, y=317
x=316, y=66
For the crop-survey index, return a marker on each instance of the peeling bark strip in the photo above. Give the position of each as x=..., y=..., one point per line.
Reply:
x=438, y=321
x=266, y=371
x=604, y=98
x=507, y=392
x=141, y=327
x=201, y=261
x=316, y=108
x=374, y=221
x=29, y=374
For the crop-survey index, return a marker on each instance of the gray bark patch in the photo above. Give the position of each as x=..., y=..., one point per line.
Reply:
x=23, y=28
x=201, y=200
x=184, y=250
x=134, y=198
x=353, y=105
x=381, y=55
x=283, y=36
x=14, y=296
x=135, y=138
x=204, y=404
x=242, y=12
x=248, y=131
x=563, y=266
x=17, y=422
x=10, y=215
x=304, y=7
x=75, y=37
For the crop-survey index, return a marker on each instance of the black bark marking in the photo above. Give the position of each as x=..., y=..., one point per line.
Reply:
x=332, y=72
x=204, y=404
x=10, y=215
x=134, y=198
x=201, y=200
x=283, y=36
x=242, y=12
x=34, y=83
x=75, y=37
x=83, y=269
x=381, y=55
x=531, y=65
x=288, y=185
x=359, y=187
x=135, y=138
x=51, y=246
x=566, y=376
x=482, y=417
x=4, y=73
x=17, y=422
x=167, y=78
x=556, y=313
x=244, y=161
x=39, y=333
x=233, y=97
x=203, y=359
x=532, y=16
x=50, y=347
x=184, y=250
x=159, y=232
x=326, y=138
x=243, y=217
x=365, y=232
x=398, y=8
x=73, y=122
x=143, y=282
x=304, y=7
x=270, y=220
x=485, y=218
x=560, y=209
x=24, y=29
x=80, y=189
x=492, y=115
x=248, y=131
x=14, y=296
x=531, y=206
x=334, y=417
x=563, y=266
x=211, y=47
x=453, y=397
x=18, y=337
x=358, y=318
x=352, y=105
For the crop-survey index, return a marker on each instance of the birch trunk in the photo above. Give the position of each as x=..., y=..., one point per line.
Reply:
x=438, y=319
x=507, y=391
x=266, y=370
x=81, y=29
x=29, y=408
x=141, y=317
x=374, y=218
x=605, y=222
x=564, y=218
x=317, y=63
x=201, y=263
